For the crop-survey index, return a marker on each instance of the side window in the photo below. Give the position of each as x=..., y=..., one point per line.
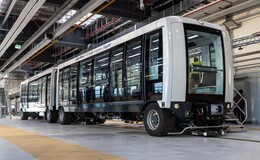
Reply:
x=24, y=94
x=39, y=91
x=85, y=81
x=101, y=78
x=154, y=66
x=33, y=92
x=44, y=91
x=60, y=88
x=133, y=69
x=65, y=84
x=48, y=89
x=73, y=83
x=30, y=92
x=116, y=82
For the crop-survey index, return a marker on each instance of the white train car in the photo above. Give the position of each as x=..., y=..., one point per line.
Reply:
x=174, y=73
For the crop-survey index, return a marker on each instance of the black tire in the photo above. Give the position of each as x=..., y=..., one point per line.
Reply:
x=89, y=121
x=101, y=121
x=158, y=121
x=65, y=117
x=24, y=115
x=51, y=116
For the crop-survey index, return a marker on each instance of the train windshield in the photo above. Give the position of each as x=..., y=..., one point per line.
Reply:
x=205, y=60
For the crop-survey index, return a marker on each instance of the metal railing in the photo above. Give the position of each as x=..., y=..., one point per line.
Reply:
x=236, y=105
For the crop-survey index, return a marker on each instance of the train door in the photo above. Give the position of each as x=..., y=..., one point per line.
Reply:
x=85, y=82
x=73, y=84
x=101, y=78
x=43, y=95
x=65, y=88
x=33, y=95
x=133, y=85
x=48, y=90
x=52, y=90
x=116, y=75
x=154, y=66
x=24, y=95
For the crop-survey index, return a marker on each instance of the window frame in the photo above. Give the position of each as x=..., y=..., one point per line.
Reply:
x=204, y=97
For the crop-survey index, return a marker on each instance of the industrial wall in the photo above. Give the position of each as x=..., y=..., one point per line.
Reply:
x=247, y=61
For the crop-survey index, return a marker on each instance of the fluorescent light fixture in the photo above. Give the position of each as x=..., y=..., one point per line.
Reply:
x=70, y=13
x=118, y=54
x=136, y=47
x=156, y=48
x=102, y=59
x=134, y=55
x=104, y=64
x=117, y=60
x=192, y=37
x=156, y=40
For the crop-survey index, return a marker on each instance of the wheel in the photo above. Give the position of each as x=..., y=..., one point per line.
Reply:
x=24, y=115
x=45, y=115
x=52, y=116
x=65, y=117
x=101, y=121
x=157, y=121
x=89, y=121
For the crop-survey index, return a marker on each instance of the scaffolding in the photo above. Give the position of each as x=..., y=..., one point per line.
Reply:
x=247, y=40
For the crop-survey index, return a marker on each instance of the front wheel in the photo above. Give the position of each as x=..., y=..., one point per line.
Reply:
x=52, y=116
x=65, y=117
x=24, y=115
x=101, y=121
x=158, y=121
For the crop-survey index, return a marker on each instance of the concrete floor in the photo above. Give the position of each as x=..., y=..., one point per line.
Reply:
x=127, y=141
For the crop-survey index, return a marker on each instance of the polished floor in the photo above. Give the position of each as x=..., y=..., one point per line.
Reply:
x=36, y=139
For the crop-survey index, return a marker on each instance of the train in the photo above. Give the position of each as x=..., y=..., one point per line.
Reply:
x=174, y=74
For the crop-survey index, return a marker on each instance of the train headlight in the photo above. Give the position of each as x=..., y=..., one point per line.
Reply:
x=216, y=109
x=228, y=105
x=177, y=106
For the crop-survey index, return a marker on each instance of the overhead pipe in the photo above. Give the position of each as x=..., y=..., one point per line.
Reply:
x=230, y=10
x=55, y=16
x=116, y=28
x=63, y=50
x=245, y=60
x=27, y=14
x=73, y=50
x=102, y=28
x=8, y=12
x=162, y=4
x=245, y=54
x=201, y=8
x=245, y=65
x=46, y=43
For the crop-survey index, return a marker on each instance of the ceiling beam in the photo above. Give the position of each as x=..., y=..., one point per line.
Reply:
x=59, y=12
x=88, y=8
x=28, y=12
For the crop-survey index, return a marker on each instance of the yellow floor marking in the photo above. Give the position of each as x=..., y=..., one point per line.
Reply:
x=46, y=148
x=254, y=129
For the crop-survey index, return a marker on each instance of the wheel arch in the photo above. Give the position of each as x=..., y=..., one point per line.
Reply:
x=146, y=105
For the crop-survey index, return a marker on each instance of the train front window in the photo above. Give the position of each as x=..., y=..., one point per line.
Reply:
x=205, y=60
